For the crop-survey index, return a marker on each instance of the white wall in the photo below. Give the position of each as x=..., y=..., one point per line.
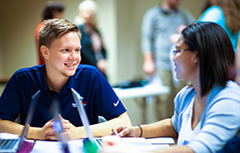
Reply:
x=107, y=24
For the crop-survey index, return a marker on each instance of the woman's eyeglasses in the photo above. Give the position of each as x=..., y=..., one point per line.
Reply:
x=178, y=51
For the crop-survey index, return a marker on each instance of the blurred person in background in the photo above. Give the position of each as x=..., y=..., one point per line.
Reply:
x=226, y=14
x=52, y=9
x=93, y=51
x=158, y=24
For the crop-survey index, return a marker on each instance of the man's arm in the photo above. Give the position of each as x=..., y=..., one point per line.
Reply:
x=16, y=128
x=105, y=128
x=98, y=130
x=148, y=64
x=146, y=40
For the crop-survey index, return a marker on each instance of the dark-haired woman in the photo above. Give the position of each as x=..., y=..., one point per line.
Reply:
x=206, y=113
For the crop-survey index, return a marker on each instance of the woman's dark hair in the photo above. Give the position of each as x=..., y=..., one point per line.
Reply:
x=215, y=52
x=50, y=8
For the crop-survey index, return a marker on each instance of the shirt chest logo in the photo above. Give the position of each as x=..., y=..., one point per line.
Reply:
x=75, y=105
x=116, y=103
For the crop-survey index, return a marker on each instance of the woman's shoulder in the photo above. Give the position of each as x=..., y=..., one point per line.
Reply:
x=232, y=89
x=225, y=96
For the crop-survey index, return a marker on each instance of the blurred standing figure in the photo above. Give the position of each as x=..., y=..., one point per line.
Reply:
x=93, y=51
x=226, y=14
x=51, y=10
x=158, y=24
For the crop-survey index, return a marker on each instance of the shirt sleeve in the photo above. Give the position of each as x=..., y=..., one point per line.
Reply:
x=10, y=100
x=147, y=30
x=221, y=124
x=108, y=104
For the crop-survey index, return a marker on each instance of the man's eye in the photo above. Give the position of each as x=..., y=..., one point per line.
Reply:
x=77, y=50
x=65, y=50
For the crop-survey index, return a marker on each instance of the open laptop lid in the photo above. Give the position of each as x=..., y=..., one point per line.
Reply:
x=58, y=127
x=89, y=144
x=31, y=110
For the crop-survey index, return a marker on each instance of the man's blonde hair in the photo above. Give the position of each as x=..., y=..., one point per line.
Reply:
x=55, y=28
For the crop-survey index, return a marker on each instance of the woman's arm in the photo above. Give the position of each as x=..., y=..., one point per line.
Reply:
x=161, y=128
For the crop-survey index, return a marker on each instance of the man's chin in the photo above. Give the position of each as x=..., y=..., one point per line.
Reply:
x=68, y=74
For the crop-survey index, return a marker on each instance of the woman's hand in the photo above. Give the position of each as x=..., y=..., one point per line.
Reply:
x=126, y=131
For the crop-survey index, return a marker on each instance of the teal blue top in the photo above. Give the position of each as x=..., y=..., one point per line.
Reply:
x=220, y=120
x=215, y=14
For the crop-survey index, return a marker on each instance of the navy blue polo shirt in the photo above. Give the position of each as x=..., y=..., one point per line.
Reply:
x=98, y=96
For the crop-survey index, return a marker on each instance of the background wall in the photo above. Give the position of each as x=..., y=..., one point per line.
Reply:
x=118, y=20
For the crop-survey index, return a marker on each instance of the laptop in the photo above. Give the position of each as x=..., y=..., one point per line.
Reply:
x=89, y=144
x=95, y=143
x=58, y=127
x=13, y=145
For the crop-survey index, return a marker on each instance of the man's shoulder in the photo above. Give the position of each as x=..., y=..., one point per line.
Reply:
x=84, y=68
x=151, y=13
x=28, y=74
x=30, y=70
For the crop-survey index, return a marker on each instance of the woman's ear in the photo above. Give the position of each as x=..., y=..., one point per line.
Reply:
x=44, y=52
x=196, y=60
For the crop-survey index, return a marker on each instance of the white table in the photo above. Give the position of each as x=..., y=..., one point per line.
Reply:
x=139, y=94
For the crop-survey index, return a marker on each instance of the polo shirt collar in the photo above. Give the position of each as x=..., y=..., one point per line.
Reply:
x=70, y=83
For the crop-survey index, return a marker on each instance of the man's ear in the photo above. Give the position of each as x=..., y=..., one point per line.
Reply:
x=44, y=51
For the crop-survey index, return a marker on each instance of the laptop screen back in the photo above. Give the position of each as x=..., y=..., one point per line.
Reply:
x=78, y=99
x=19, y=144
x=31, y=110
x=58, y=127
